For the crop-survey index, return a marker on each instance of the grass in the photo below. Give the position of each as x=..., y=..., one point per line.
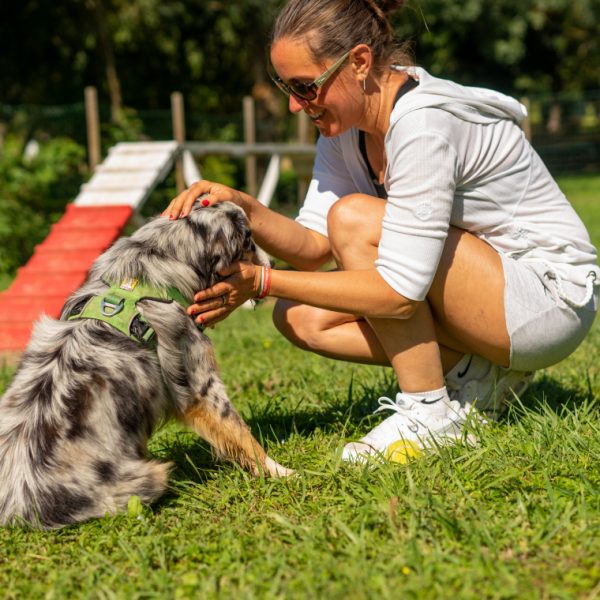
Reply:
x=516, y=517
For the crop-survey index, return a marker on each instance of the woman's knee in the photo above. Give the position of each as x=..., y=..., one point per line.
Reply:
x=354, y=221
x=354, y=212
x=346, y=212
x=291, y=321
x=299, y=323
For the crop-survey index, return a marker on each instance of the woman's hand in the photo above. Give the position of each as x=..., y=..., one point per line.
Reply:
x=207, y=192
x=241, y=282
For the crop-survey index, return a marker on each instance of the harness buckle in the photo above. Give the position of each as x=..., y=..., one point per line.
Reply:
x=111, y=306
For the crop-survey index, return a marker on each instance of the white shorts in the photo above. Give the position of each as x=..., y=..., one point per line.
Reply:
x=543, y=327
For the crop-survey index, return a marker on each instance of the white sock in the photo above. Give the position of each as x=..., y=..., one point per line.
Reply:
x=438, y=400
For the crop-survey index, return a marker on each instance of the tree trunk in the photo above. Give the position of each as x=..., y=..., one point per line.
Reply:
x=108, y=52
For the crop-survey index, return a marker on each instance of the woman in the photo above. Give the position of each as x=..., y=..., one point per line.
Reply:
x=456, y=251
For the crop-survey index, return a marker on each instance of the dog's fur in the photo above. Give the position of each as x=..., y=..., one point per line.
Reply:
x=75, y=422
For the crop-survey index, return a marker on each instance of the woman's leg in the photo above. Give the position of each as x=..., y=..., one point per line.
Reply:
x=464, y=312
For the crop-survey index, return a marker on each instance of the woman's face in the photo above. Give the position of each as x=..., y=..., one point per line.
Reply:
x=338, y=105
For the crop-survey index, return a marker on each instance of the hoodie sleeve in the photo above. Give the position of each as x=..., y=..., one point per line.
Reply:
x=330, y=181
x=421, y=181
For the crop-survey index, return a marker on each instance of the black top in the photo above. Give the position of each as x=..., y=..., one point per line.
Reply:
x=408, y=85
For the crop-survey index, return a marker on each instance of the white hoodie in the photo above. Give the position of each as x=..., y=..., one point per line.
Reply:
x=456, y=156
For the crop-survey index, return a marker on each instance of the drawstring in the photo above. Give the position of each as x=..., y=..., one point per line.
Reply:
x=590, y=284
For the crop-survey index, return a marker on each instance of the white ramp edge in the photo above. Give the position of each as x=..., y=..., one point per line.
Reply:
x=191, y=173
x=267, y=189
x=129, y=174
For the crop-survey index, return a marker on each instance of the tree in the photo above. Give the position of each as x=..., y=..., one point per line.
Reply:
x=523, y=46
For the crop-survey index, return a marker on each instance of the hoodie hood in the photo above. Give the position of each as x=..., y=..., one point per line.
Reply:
x=473, y=104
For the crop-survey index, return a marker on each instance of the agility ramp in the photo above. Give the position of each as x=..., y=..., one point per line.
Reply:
x=96, y=218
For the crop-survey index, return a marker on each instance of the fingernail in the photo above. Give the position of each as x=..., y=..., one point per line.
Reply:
x=182, y=214
x=205, y=202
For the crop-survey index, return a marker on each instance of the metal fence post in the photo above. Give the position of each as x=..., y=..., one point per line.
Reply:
x=302, y=165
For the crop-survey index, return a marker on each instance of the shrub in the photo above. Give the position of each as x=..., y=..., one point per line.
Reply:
x=34, y=191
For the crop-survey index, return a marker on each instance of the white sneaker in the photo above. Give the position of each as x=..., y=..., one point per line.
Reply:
x=485, y=386
x=413, y=427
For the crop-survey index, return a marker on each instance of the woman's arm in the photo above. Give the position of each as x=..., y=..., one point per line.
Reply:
x=363, y=292
x=278, y=235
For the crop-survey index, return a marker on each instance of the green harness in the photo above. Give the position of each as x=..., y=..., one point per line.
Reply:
x=118, y=307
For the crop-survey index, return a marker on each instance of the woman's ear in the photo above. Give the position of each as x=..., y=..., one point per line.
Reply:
x=362, y=61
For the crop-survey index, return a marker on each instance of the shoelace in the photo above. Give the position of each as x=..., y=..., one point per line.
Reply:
x=400, y=405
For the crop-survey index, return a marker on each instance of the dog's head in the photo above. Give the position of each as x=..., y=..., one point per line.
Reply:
x=185, y=253
x=225, y=232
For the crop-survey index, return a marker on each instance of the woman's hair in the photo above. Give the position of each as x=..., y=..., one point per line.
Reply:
x=332, y=27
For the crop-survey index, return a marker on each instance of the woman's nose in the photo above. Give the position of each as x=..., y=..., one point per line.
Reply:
x=297, y=104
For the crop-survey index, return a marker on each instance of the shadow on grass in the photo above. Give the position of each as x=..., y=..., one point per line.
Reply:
x=273, y=421
x=548, y=391
x=195, y=462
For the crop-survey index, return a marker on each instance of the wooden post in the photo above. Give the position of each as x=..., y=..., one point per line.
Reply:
x=92, y=121
x=304, y=174
x=250, y=138
x=178, y=120
x=526, y=124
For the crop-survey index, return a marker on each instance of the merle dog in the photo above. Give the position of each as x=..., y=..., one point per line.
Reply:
x=75, y=421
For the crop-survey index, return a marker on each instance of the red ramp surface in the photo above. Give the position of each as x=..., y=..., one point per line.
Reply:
x=59, y=265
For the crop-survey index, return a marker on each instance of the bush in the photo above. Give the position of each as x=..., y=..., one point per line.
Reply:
x=34, y=191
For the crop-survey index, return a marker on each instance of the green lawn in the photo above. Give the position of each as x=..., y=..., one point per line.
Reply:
x=517, y=517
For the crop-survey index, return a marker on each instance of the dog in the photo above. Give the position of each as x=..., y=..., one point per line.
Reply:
x=76, y=419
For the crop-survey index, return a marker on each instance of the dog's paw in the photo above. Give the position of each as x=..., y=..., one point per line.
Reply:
x=274, y=469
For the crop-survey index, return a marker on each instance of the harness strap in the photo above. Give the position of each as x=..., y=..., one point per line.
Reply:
x=118, y=307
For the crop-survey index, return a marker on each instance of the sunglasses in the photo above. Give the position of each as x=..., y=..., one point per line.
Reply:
x=306, y=91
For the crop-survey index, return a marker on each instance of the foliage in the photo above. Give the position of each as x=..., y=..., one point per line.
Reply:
x=129, y=129
x=211, y=51
x=531, y=46
x=215, y=52
x=33, y=194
